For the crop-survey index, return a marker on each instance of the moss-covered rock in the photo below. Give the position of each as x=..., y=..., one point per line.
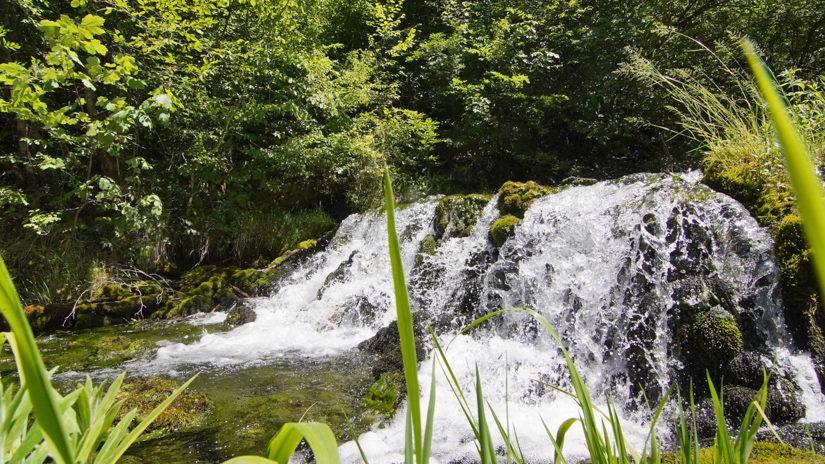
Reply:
x=146, y=393
x=514, y=198
x=502, y=229
x=767, y=196
x=713, y=339
x=456, y=215
x=427, y=248
x=240, y=314
x=384, y=395
x=114, y=291
x=116, y=349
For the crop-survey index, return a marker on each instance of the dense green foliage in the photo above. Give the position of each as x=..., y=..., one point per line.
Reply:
x=226, y=131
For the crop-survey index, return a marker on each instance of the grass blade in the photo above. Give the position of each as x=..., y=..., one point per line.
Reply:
x=357, y=443
x=405, y=325
x=248, y=460
x=428, y=428
x=43, y=396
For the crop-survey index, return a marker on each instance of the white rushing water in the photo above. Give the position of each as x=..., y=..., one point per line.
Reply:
x=601, y=263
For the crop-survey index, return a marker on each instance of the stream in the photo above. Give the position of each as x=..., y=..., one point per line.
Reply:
x=612, y=266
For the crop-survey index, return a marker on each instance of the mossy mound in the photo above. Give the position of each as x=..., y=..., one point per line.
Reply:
x=116, y=349
x=514, y=198
x=146, y=393
x=502, y=229
x=767, y=196
x=456, y=215
x=214, y=288
x=713, y=339
x=763, y=453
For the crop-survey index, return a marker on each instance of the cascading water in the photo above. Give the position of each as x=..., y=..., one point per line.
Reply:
x=612, y=266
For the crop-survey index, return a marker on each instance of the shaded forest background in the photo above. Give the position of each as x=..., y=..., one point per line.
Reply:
x=162, y=134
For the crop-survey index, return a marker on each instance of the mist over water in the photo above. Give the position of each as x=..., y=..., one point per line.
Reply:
x=601, y=263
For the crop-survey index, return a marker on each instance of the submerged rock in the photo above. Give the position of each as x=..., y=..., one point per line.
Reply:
x=146, y=393
x=117, y=349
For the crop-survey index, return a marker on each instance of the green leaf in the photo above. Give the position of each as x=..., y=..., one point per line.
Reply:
x=135, y=83
x=51, y=163
x=248, y=460
x=43, y=396
x=318, y=435
x=93, y=24
x=163, y=100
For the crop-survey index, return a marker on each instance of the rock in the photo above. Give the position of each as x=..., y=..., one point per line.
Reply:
x=713, y=339
x=339, y=275
x=240, y=314
x=514, y=198
x=146, y=393
x=387, y=344
x=116, y=349
x=427, y=248
x=502, y=229
x=455, y=215
x=746, y=369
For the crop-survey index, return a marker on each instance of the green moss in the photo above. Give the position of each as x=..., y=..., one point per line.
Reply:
x=116, y=349
x=766, y=194
x=307, y=245
x=456, y=215
x=763, y=453
x=383, y=395
x=713, y=338
x=113, y=292
x=146, y=393
x=428, y=246
x=502, y=229
x=514, y=198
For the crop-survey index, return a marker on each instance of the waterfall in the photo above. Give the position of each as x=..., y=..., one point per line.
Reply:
x=612, y=267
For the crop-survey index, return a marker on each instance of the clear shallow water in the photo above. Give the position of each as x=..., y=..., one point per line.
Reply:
x=600, y=262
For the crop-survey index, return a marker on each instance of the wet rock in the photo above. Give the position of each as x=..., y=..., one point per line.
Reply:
x=746, y=369
x=339, y=275
x=146, y=393
x=240, y=314
x=387, y=344
x=800, y=436
x=427, y=248
x=713, y=339
x=456, y=215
